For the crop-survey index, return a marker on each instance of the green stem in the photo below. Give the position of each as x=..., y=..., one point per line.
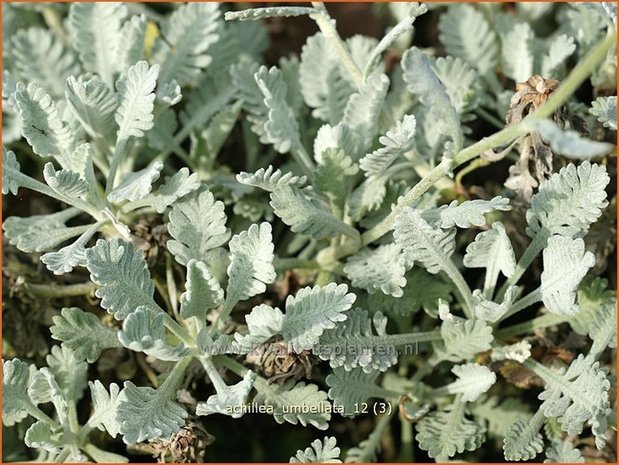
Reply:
x=303, y=159
x=525, y=302
x=54, y=22
x=489, y=117
x=291, y=263
x=329, y=32
x=40, y=415
x=64, y=455
x=213, y=374
x=53, y=291
x=178, y=330
x=540, y=322
x=535, y=247
x=225, y=313
x=119, y=150
x=463, y=288
x=29, y=183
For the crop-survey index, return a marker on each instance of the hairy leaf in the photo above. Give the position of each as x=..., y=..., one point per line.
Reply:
x=563, y=452
x=197, y=224
x=324, y=451
x=350, y=389
x=39, y=56
x=312, y=311
x=189, y=33
x=578, y=395
x=569, y=202
x=42, y=127
x=136, y=97
x=473, y=381
x=479, y=50
x=95, y=34
x=251, y=262
x=105, y=405
x=144, y=331
x=465, y=214
x=605, y=110
x=444, y=433
x=570, y=143
x=145, y=413
x=517, y=52
x=281, y=127
x=381, y=269
x=121, y=271
x=565, y=264
x=285, y=401
x=203, y=292
x=352, y=344
x=16, y=403
x=10, y=172
x=263, y=323
x=83, y=333
x=228, y=401
x=466, y=338
x=422, y=243
x=394, y=145
x=93, y=103
x=306, y=215
x=423, y=82
x=269, y=179
x=136, y=185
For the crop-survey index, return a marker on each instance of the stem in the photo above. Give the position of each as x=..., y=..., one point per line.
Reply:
x=116, y=159
x=327, y=27
x=303, y=159
x=54, y=22
x=535, y=247
x=544, y=321
x=213, y=374
x=225, y=313
x=40, y=415
x=411, y=196
x=55, y=291
x=489, y=117
x=64, y=454
x=526, y=301
x=178, y=330
x=291, y=263
x=463, y=288
x=29, y=183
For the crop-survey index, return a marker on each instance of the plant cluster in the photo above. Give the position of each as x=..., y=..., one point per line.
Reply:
x=299, y=240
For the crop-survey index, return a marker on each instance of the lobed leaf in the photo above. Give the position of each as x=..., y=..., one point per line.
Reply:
x=203, y=292
x=197, y=224
x=190, y=32
x=121, y=271
x=105, y=407
x=83, y=333
x=381, y=269
x=95, y=30
x=312, y=311
x=144, y=331
x=251, y=262
x=352, y=344
x=565, y=265
x=569, y=202
x=324, y=451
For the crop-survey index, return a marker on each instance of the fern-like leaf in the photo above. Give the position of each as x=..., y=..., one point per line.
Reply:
x=312, y=311
x=197, y=224
x=121, y=271
x=189, y=33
